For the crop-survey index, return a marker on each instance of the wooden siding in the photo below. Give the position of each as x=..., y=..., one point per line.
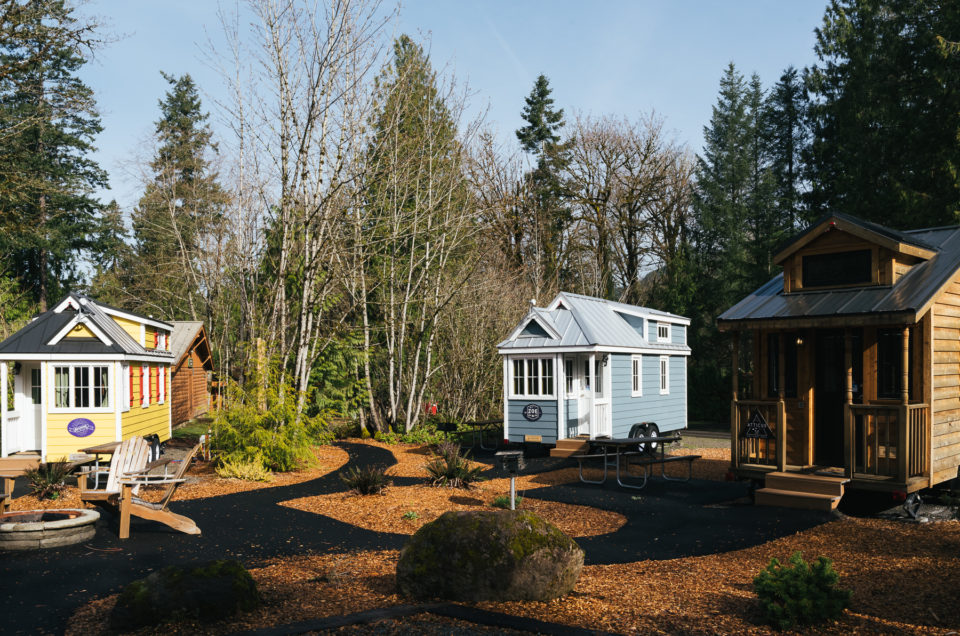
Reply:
x=80, y=331
x=155, y=419
x=61, y=444
x=132, y=327
x=190, y=395
x=546, y=426
x=945, y=442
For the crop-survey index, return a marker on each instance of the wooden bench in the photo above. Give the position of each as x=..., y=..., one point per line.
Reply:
x=663, y=461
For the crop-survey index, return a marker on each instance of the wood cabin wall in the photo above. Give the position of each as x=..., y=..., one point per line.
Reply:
x=945, y=407
x=191, y=397
x=799, y=411
x=887, y=267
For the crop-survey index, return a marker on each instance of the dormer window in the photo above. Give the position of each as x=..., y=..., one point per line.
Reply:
x=663, y=332
x=838, y=269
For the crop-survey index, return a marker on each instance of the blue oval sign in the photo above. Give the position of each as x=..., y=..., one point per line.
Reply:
x=81, y=427
x=532, y=412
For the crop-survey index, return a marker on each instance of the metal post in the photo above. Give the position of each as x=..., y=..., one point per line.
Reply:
x=513, y=493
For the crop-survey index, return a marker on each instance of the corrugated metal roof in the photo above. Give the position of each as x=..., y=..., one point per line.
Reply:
x=910, y=293
x=583, y=321
x=184, y=331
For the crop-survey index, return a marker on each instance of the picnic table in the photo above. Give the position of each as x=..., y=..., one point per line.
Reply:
x=635, y=451
x=96, y=451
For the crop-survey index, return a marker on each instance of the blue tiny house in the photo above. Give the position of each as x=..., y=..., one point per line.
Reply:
x=588, y=367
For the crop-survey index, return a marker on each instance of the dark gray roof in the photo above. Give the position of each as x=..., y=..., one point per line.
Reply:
x=908, y=296
x=587, y=321
x=33, y=338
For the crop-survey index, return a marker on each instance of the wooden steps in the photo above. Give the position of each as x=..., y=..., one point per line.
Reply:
x=570, y=446
x=801, y=490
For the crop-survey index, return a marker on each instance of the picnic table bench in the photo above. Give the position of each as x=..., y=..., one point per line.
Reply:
x=633, y=451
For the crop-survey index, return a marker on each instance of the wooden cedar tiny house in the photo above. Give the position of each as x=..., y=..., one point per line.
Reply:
x=191, y=372
x=84, y=374
x=856, y=364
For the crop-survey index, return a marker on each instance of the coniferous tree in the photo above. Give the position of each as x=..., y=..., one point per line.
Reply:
x=49, y=120
x=542, y=186
x=179, y=207
x=788, y=139
x=885, y=112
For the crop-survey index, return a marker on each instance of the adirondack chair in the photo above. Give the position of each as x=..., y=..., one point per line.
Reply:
x=129, y=470
x=130, y=504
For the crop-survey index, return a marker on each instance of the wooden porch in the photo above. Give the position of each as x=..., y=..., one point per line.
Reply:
x=839, y=422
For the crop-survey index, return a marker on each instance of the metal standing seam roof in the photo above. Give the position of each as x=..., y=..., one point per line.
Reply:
x=587, y=321
x=182, y=336
x=34, y=336
x=910, y=293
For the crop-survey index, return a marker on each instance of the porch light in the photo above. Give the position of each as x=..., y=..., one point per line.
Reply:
x=799, y=341
x=16, y=368
x=606, y=359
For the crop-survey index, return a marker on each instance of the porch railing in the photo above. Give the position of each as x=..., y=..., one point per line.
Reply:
x=758, y=451
x=891, y=440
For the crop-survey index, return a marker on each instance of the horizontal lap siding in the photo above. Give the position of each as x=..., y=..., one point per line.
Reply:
x=667, y=411
x=546, y=426
x=571, y=413
x=945, y=440
x=61, y=444
x=155, y=419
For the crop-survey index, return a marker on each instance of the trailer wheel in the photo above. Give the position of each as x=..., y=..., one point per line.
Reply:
x=652, y=430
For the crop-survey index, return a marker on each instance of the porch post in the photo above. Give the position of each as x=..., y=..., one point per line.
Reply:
x=3, y=409
x=734, y=410
x=781, y=404
x=592, y=374
x=848, y=425
x=903, y=446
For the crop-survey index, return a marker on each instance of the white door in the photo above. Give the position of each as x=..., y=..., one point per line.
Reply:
x=601, y=397
x=31, y=407
x=585, y=384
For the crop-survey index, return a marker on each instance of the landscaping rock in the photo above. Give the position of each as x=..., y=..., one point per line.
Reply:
x=204, y=592
x=489, y=555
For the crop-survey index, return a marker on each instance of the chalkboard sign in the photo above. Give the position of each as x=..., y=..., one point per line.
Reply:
x=757, y=427
x=532, y=412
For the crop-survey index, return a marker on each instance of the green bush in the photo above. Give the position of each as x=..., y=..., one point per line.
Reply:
x=274, y=438
x=423, y=434
x=252, y=470
x=800, y=593
x=369, y=480
x=503, y=501
x=411, y=515
x=449, y=468
x=48, y=481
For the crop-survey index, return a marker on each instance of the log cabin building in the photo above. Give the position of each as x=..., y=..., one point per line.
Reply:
x=855, y=358
x=191, y=371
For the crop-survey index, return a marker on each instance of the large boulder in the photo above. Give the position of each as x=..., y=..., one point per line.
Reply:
x=489, y=555
x=204, y=592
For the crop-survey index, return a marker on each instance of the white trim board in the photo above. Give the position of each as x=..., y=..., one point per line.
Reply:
x=80, y=319
x=543, y=351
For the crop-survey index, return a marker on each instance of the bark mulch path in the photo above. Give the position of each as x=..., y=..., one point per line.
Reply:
x=683, y=561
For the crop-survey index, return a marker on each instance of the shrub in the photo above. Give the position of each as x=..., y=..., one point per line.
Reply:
x=503, y=501
x=800, y=593
x=450, y=468
x=48, y=481
x=411, y=515
x=247, y=470
x=274, y=438
x=423, y=434
x=369, y=480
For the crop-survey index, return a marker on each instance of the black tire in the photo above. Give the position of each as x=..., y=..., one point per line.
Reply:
x=638, y=430
x=652, y=430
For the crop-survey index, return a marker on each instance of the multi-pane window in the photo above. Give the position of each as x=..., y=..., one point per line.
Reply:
x=533, y=377
x=568, y=375
x=663, y=332
x=598, y=374
x=636, y=386
x=81, y=387
x=35, y=392
x=664, y=375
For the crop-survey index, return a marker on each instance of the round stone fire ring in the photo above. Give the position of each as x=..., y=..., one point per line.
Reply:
x=35, y=529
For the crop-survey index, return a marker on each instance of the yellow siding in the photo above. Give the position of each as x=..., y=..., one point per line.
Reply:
x=61, y=444
x=132, y=327
x=147, y=421
x=81, y=331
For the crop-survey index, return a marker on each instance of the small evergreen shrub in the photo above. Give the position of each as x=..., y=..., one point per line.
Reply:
x=247, y=470
x=48, y=481
x=503, y=501
x=422, y=434
x=369, y=480
x=411, y=515
x=800, y=593
x=449, y=468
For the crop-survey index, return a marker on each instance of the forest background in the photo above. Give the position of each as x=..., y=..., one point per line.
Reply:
x=359, y=245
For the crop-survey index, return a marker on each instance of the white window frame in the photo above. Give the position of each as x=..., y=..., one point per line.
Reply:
x=664, y=375
x=125, y=378
x=667, y=329
x=570, y=379
x=144, y=385
x=636, y=375
x=541, y=363
x=71, y=385
x=161, y=383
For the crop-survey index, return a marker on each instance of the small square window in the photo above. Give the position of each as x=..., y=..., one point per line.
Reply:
x=663, y=332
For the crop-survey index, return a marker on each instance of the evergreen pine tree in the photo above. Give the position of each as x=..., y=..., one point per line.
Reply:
x=49, y=118
x=885, y=112
x=788, y=139
x=179, y=206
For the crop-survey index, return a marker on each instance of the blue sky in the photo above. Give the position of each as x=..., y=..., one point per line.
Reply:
x=614, y=57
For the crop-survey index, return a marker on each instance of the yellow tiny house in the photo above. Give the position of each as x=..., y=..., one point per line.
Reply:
x=84, y=374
